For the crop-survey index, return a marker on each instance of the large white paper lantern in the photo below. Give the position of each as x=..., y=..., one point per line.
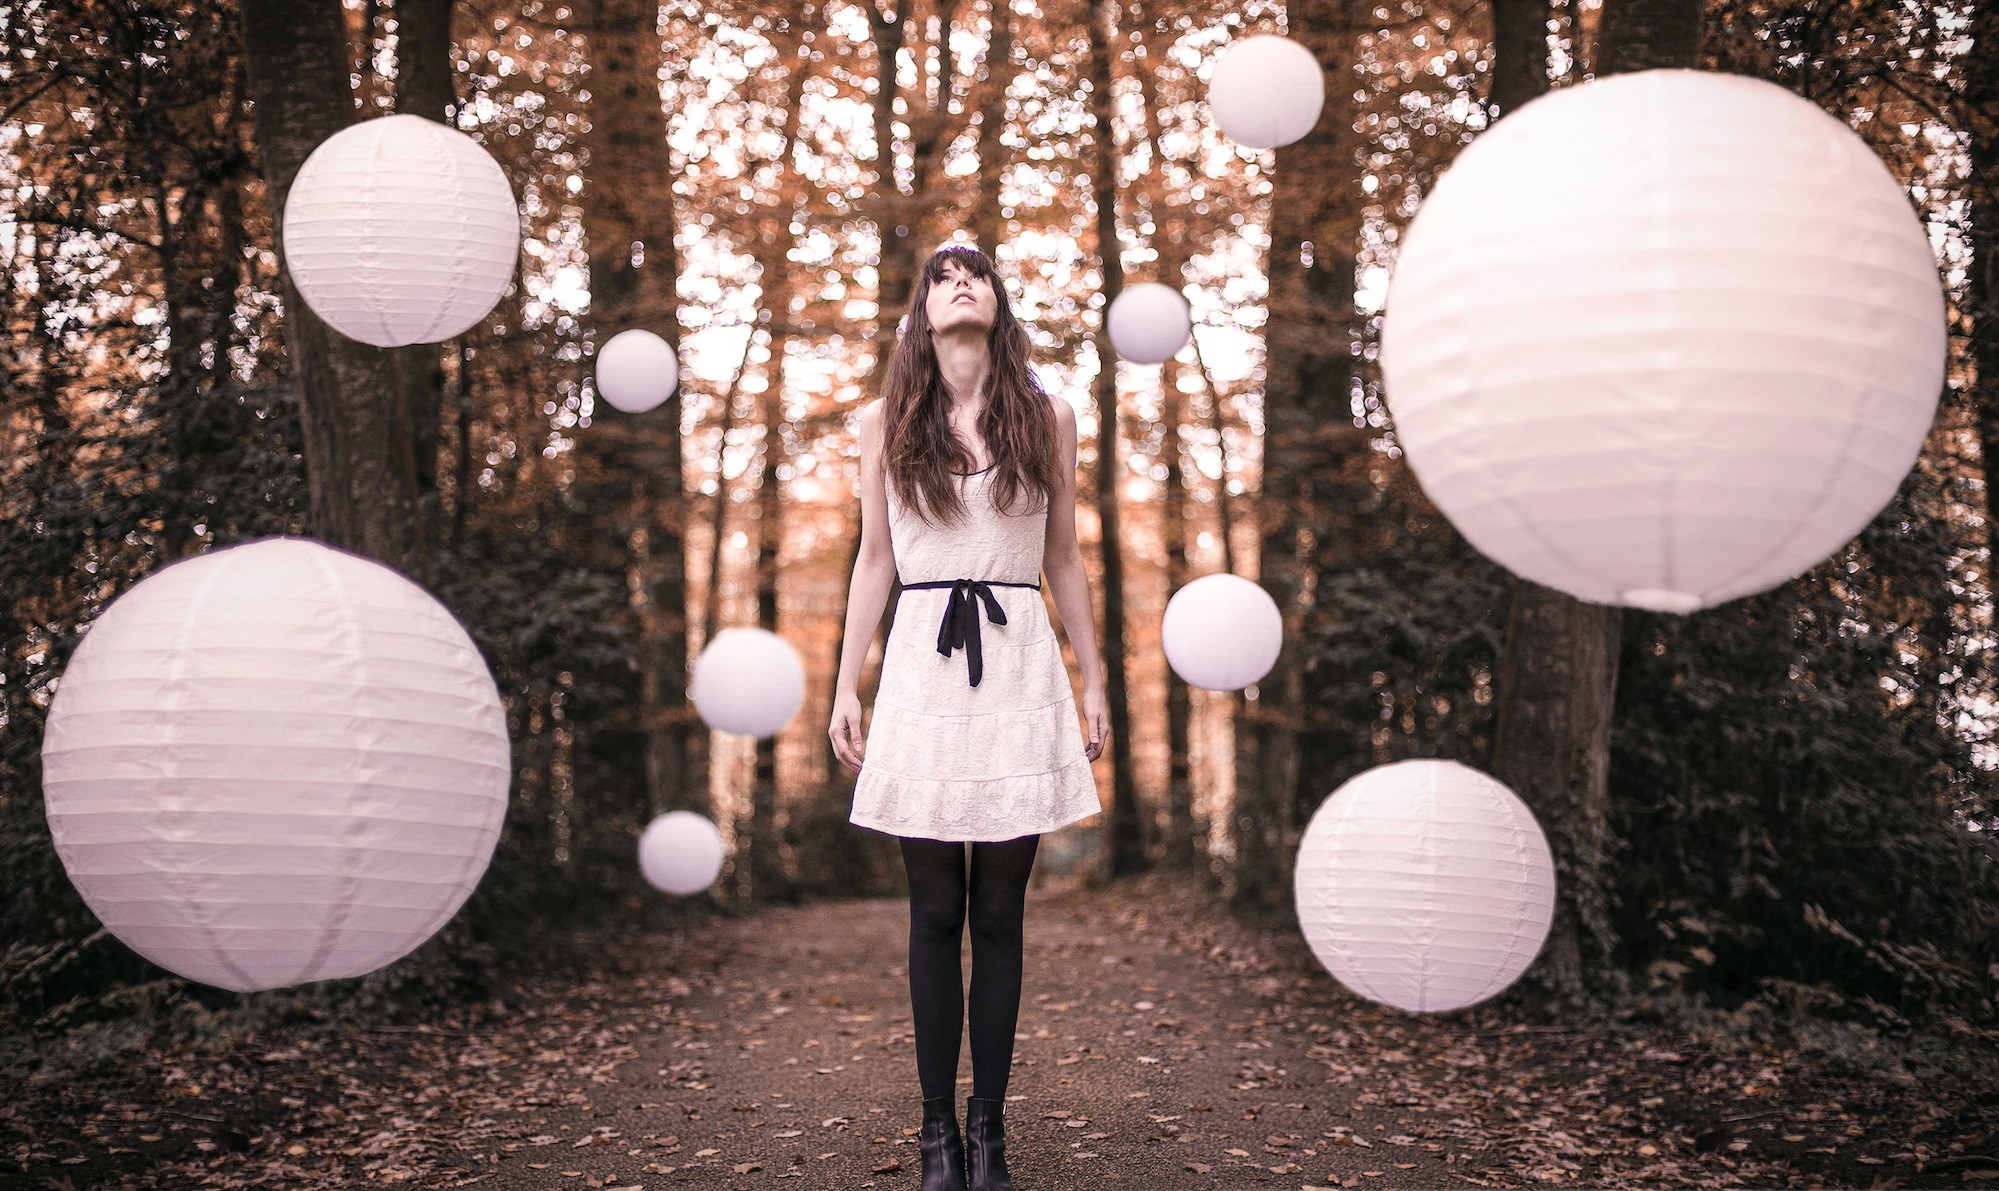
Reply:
x=275, y=763
x=400, y=230
x=1425, y=885
x=636, y=371
x=1266, y=91
x=1222, y=632
x=1149, y=323
x=748, y=681
x=680, y=852
x=1664, y=339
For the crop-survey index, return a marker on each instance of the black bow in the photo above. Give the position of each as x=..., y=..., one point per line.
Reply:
x=961, y=622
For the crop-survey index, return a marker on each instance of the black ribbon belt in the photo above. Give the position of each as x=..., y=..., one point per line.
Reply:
x=961, y=616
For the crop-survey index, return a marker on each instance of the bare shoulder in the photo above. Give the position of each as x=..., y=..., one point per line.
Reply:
x=1066, y=446
x=871, y=423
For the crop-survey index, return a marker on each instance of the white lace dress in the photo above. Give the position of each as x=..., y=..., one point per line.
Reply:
x=949, y=760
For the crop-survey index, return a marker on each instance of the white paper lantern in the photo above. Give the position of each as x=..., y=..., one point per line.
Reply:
x=1664, y=339
x=1425, y=885
x=748, y=681
x=681, y=852
x=1266, y=91
x=1222, y=632
x=636, y=371
x=1149, y=323
x=275, y=763
x=400, y=230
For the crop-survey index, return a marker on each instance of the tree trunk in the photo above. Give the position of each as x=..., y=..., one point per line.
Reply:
x=1309, y=439
x=628, y=223
x=1176, y=848
x=424, y=71
x=769, y=880
x=1177, y=844
x=1127, y=826
x=1981, y=103
x=711, y=608
x=1218, y=425
x=901, y=212
x=1638, y=35
x=1557, y=677
x=988, y=223
x=359, y=453
x=424, y=78
x=1556, y=689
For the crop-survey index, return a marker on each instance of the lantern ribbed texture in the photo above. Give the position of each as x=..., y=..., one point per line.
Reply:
x=1149, y=323
x=1425, y=885
x=681, y=852
x=400, y=230
x=1221, y=632
x=1664, y=339
x=747, y=681
x=1266, y=91
x=275, y=763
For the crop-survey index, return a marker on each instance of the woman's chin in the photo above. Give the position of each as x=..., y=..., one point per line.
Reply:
x=961, y=322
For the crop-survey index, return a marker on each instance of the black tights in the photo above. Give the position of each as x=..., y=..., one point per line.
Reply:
x=938, y=888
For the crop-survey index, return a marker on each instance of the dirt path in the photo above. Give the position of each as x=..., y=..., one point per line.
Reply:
x=1134, y=1063
x=1162, y=1045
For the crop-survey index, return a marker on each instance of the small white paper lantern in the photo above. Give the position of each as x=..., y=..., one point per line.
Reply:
x=1664, y=339
x=275, y=763
x=680, y=852
x=1222, y=632
x=400, y=230
x=1425, y=885
x=748, y=681
x=636, y=371
x=1266, y=91
x=1149, y=323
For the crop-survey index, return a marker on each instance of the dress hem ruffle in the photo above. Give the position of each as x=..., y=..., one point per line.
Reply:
x=1058, y=798
x=958, y=837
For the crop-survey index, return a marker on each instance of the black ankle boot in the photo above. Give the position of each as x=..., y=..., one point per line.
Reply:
x=942, y=1147
x=985, y=1145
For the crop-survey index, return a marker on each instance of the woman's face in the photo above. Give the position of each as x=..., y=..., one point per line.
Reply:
x=959, y=299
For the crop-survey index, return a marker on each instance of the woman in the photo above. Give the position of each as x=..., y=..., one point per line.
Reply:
x=968, y=493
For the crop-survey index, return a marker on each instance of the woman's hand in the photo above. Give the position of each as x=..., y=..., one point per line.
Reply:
x=845, y=730
x=1099, y=722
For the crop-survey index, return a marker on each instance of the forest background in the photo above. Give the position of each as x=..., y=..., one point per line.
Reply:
x=1782, y=807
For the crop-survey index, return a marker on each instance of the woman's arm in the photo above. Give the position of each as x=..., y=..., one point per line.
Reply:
x=1062, y=563
x=867, y=595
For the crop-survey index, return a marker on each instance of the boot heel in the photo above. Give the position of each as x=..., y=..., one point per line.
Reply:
x=942, y=1147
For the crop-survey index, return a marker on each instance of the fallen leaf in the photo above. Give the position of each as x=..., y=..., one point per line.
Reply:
x=891, y=1164
x=746, y=1167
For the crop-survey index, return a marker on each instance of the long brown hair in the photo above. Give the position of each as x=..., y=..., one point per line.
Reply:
x=920, y=451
